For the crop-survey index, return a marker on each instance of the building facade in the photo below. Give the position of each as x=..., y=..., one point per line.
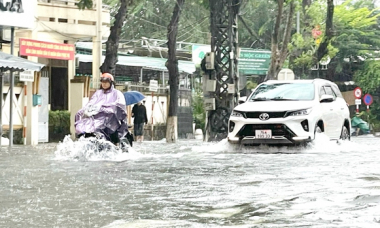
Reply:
x=45, y=31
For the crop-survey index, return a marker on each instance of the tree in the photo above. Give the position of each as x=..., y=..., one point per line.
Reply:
x=307, y=42
x=150, y=19
x=279, y=46
x=256, y=19
x=368, y=78
x=354, y=34
x=357, y=32
x=329, y=33
x=112, y=44
x=172, y=65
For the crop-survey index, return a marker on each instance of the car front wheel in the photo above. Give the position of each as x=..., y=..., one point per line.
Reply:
x=345, y=135
x=317, y=129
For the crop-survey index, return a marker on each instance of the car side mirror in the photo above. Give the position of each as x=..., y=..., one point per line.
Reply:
x=242, y=100
x=325, y=98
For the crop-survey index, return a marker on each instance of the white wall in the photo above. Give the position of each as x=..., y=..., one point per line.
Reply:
x=159, y=109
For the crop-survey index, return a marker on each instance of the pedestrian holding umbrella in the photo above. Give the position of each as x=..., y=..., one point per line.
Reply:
x=133, y=97
x=138, y=113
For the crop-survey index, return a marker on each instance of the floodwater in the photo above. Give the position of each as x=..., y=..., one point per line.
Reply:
x=192, y=184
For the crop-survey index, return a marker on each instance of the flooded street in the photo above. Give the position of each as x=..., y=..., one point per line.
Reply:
x=192, y=184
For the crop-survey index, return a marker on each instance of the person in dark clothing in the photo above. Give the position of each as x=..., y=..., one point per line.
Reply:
x=140, y=118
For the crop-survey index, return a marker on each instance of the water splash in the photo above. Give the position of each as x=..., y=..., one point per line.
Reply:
x=321, y=144
x=91, y=149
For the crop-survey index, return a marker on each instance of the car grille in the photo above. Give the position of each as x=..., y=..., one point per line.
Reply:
x=256, y=115
x=277, y=130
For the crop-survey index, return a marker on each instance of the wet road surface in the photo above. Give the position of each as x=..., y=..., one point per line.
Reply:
x=192, y=184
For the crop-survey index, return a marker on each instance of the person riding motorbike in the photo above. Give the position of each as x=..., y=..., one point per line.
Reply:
x=105, y=113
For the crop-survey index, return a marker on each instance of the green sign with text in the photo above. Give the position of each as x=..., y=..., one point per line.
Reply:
x=253, y=61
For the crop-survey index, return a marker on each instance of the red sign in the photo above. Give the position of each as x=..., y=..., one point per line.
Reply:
x=47, y=49
x=358, y=92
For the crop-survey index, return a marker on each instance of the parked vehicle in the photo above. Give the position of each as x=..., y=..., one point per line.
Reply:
x=359, y=126
x=290, y=112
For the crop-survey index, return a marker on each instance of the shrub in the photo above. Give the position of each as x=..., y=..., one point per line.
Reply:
x=199, y=112
x=59, y=122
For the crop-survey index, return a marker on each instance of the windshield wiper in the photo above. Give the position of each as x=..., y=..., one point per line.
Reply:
x=259, y=99
x=282, y=99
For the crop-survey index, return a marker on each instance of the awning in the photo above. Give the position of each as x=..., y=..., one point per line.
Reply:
x=11, y=62
x=144, y=62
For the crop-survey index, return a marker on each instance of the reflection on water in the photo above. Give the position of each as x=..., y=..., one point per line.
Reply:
x=191, y=184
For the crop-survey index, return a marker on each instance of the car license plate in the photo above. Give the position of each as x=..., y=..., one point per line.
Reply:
x=263, y=134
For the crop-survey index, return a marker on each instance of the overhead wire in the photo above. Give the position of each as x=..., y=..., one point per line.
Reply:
x=199, y=22
x=158, y=25
x=54, y=30
x=193, y=34
x=177, y=18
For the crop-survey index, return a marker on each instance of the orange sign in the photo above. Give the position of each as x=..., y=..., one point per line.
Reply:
x=47, y=49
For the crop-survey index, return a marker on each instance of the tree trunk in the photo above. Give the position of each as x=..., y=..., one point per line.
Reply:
x=112, y=44
x=172, y=65
x=279, y=54
x=329, y=33
x=171, y=129
x=306, y=3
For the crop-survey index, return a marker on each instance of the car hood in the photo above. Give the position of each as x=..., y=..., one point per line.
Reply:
x=273, y=106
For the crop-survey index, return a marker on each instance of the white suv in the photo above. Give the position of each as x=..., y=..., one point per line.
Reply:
x=290, y=112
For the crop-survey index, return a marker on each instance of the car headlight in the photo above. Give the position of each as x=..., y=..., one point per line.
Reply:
x=237, y=114
x=301, y=112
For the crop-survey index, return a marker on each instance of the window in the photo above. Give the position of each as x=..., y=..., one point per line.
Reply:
x=284, y=91
x=336, y=90
x=322, y=91
x=329, y=91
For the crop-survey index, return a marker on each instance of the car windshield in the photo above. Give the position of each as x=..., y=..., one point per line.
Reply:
x=284, y=91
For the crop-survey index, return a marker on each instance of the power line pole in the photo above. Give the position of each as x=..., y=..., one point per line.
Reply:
x=97, y=46
x=223, y=71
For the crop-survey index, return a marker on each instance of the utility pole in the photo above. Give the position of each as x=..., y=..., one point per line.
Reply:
x=97, y=46
x=221, y=67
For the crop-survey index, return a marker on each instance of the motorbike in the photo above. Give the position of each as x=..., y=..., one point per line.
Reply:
x=105, y=123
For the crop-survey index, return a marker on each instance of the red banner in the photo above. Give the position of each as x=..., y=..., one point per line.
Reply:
x=47, y=49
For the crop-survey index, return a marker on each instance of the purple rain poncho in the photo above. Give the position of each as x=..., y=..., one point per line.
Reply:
x=104, y=113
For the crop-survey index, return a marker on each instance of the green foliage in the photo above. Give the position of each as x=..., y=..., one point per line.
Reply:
x=85, y=4
x=356, y=27
x=347, y=15
x=251, y=85
x=356, y=36
x=303, y=46
x=368, y=78
x=199, y=112
x=151, y=18
x=59, y=122
x=259, y=16
x=316, y=14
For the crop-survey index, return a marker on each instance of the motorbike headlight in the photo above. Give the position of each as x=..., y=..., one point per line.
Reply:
x=237, y=114
x=301, y=112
